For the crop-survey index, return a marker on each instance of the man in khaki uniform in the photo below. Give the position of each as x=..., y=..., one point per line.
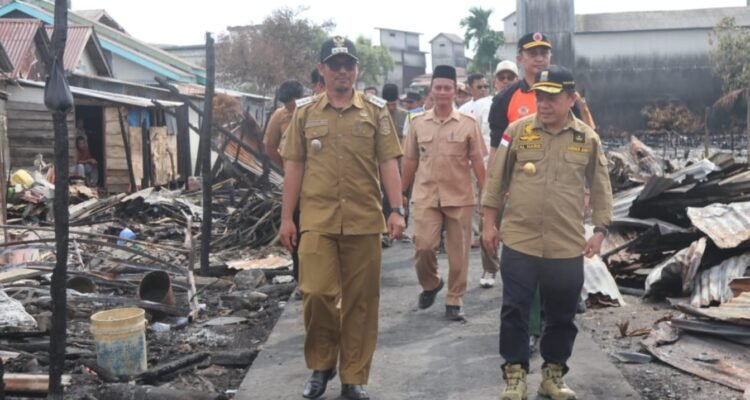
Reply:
x=543, y=161
x=289, y=93
x=442, y=147
x=337, y=147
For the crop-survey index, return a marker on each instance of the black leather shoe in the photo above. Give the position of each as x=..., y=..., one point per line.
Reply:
x=316, y=385
x=454, y=313
x=427, y=297
x=354, y=392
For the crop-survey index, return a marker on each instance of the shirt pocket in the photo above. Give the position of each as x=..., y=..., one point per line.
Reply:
x=316, y=139
x=456, y=145
x=425, y=142
x=572, y=170
x=525, y=156
x=363, y=128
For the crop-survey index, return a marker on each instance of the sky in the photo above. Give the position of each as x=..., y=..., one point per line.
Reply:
x=184, y=22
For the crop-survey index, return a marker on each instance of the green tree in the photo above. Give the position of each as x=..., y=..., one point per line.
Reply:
x=482, y=39
x=374, y=61
x=730, y=54
x=261, y=57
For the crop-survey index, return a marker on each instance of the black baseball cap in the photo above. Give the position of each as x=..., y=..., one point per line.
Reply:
x=535, y=39
x=555, y=79
x=337, y=45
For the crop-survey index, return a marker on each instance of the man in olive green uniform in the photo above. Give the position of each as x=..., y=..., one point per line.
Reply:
x=399, y=116
x=337, y=146
x=442, y=148
x=543, y=161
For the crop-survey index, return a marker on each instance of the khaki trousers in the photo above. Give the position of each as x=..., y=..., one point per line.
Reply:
x=333, y=266
x=428, y=222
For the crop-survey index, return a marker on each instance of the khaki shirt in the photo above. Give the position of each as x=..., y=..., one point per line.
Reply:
x=543, y=215
x=341, y=150
x=445, y=151
x=277, y=124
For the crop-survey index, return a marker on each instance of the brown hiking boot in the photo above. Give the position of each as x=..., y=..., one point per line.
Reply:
x=552, y=384
x=515, y=382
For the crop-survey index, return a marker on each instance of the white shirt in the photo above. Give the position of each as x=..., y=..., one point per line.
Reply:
x=480, y=109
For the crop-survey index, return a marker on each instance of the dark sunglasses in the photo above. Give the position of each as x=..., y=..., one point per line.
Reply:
x=505, y=77
x=335, y=65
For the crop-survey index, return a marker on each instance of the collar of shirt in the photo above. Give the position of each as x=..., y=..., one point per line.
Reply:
x=525, y=86
x=572, y=124
x=430, y=115
x=358, y=101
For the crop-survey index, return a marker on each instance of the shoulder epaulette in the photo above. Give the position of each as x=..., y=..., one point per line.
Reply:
x=304, y=101
x=378, y=101
x=413, y=115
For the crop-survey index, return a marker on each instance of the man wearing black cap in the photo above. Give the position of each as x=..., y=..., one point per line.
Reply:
x=514, y=102
x=442, y=147
x=398, y=114
x=546, y=158
x=336, y=148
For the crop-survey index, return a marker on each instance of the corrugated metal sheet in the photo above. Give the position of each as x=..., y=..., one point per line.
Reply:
x=112, y=97
x=78, y=37
x=736, y=310
x=727, y=225
x=711, y=358
x=192, y=89
x=597, y=279
x=17, y=37
x=683, y=264
x=712, y=285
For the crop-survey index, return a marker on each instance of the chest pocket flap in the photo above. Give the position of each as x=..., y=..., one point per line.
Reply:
x=576, y=157
x=529, y=155
x=317, y=131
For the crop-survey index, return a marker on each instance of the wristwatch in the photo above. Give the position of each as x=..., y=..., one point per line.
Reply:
x=601, y=229
x=398, y=210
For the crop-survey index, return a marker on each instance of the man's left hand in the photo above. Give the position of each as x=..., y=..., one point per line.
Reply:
x=594, y=245
x=396, y=225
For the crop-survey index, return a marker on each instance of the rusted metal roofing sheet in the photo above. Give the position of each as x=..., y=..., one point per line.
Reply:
x=712, y=285
x=727, y=225
x=684, y=263
x=78, y=37
x=736, y=310
x=710, y=358
x=17, y=37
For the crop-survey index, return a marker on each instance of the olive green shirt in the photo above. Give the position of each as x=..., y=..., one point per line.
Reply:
x=543, y=215
x=341, y=150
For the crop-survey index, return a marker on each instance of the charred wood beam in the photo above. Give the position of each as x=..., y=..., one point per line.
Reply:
x=260, y=155
x=153, y=374
x=205, y=150
x=54, y=381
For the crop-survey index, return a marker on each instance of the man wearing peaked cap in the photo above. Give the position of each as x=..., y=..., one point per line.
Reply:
x=546, y=158
x=442, y=148
x=340, y=218
x=517, y=101
x=399, y=117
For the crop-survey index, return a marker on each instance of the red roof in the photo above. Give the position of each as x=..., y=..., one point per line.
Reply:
x=17, y=37
x=78, y=38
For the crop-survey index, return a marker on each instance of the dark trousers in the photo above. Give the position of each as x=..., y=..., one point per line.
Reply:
x=560, y=282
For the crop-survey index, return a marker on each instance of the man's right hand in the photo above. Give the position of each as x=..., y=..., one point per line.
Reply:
x=288, y=233
x=491, y=238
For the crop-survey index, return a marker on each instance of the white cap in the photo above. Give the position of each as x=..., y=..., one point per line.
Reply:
x=506, y=65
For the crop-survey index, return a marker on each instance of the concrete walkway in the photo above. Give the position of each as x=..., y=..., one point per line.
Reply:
x=422, y=356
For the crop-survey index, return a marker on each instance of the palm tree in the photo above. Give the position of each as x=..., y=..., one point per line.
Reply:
x=484, y=40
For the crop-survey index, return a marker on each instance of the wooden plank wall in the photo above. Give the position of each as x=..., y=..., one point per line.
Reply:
x=117, y=179
x=30, y=132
